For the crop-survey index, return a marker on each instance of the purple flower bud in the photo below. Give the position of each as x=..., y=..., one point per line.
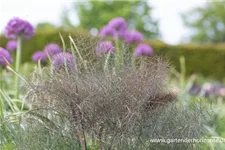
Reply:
x=143, y=49
x=107, y=31
x=58, y=61
x=11, y=45
x=52, y=49
x=119, y=24
x=39, y=55
x=132, y=37
x=104, y=47
x=17, y=27
x=5, y=57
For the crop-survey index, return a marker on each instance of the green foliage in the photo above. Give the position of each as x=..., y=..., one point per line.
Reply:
x=39, y=137
x=208, y=22
x=95, y=14
x=41, y=27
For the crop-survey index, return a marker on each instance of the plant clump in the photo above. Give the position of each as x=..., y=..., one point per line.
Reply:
x=124, y=109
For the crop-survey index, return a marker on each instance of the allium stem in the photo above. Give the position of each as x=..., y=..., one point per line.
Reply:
x=182, y=70
x=21, y=78
x=106, y=65
x=182, y=77
x=18, y=62
x=1, y=87
x=133, y=60
x=39, y=67
x=1, y=78
x=118, y=55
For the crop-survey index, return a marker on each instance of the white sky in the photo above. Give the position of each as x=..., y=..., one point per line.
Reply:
x=166, y=11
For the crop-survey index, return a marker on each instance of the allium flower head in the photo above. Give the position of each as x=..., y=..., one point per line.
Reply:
x=5, y=57
x=119, y=24
x=143, y=49
x=107, y=31
x=39, y=55
x=52, y=49
x=58, y=61
x=104, y=47
x=11, y=45
x=132, y=37
x=17, y=27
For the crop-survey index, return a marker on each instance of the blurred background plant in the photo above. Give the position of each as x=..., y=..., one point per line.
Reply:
x=137, y=14
x=207, y=22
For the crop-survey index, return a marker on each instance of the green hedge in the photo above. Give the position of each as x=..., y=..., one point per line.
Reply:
x=206, y=59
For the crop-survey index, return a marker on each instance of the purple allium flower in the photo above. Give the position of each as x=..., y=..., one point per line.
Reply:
x=52, y=49
x=143, y=49
x=5, y=57
x=107, y=31
x=39, y=55
x=119, y=24
x=11, y=45
x=132, y=37
x=104, y=47
x=18, y=27
x=58, y=61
